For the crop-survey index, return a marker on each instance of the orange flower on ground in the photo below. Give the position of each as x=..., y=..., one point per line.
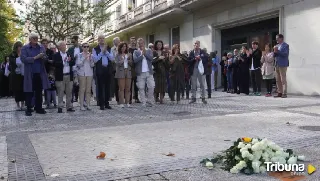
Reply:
x=246, y=139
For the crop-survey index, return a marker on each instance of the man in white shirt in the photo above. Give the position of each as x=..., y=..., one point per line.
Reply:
x=143, y=66
x=64, y=76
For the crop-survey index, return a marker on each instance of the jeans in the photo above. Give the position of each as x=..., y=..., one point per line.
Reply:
x=229, y=79
x=143, y=79
x=135, y=89
x=51, y=95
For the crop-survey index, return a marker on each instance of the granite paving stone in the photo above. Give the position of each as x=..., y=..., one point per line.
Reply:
x=136, y=140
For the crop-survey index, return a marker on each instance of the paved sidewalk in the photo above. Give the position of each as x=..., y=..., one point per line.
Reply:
x=64, y=146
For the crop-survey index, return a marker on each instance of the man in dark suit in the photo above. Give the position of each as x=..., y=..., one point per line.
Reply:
x=194, y=59
x=48, y=64
x=74, y=51
x=63, y=64
x=104, y=70
x=255, y=68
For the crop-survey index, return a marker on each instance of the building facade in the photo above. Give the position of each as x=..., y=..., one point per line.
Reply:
x=223, y=25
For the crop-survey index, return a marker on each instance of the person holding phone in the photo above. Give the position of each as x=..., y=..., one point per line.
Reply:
x=35, y=76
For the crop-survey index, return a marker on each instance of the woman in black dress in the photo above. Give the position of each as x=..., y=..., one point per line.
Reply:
x=4, y=78
x=244, y=71
x=16, y=75
x=177, y=74
x=161, y=67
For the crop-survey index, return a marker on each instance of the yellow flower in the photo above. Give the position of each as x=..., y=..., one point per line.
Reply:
x=246, y=139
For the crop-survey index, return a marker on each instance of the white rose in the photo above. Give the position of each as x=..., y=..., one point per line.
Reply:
x=250, y=157
x=292, y=160
x=237, y=158
x=248, y=146
x=255, y=147
x=241, y=145
x=245, y=153
x=243, y=163
x=234, y=170
x=209, y=164
x=243, y=149
x=282, y=160
x=279, y=153
x=257, y=155
x=301, y=158
x=262, y=169
x=255, y=166
x=274, y=159
x=285, y=155
x=254, y=141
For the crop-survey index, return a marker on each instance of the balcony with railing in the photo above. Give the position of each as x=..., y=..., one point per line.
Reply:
x=148, y=9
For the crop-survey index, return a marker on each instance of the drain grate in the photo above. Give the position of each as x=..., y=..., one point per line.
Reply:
x=182, y=113
x=310, y=128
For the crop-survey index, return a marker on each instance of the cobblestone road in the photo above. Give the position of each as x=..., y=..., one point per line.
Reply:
x=63, y=146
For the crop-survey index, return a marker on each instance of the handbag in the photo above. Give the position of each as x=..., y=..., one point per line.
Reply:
x=6, y=71
x=200, y=67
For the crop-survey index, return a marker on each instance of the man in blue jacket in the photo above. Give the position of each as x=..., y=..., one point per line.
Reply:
x=194, y=58
x=281, y=53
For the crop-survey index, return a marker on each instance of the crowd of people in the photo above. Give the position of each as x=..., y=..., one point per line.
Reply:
x=133, y=72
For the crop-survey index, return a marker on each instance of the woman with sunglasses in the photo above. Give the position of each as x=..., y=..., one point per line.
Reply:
x=85, y=66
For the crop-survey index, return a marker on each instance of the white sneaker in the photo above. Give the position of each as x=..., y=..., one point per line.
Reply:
x=88, y=107
x=128, y=105
x=83, y=109
x=144, y=105
x=121, y=106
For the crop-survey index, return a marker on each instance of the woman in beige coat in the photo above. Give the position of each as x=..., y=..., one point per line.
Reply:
x=123, y=73
x=267, y=69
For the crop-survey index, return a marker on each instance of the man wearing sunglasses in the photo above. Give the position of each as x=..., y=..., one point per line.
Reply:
x=34, y=57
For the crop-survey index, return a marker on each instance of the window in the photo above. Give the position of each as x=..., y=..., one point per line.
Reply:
x=175, y=36
x=151, y=38
x=118, y=11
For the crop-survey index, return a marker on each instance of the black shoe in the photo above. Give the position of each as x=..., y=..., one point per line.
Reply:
x=55, y=106
x=209, y=96
x=70, y=110
x=28, y=113
x=215, y=89
x=193, y=101
x=101, y=108
x=59, y=110
x=204, y=101
x=108, y=107
x=138, y=101
x=41, y=111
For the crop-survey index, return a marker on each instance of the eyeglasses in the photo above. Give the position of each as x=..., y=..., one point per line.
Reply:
x=85, y=46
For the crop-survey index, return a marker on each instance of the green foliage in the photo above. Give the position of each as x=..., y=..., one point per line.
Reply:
x=10, y=29
x=61, y=19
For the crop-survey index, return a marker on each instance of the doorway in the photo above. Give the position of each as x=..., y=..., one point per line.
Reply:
x=263, y=31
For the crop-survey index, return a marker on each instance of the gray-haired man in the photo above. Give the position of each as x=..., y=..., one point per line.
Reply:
x=143, y=66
